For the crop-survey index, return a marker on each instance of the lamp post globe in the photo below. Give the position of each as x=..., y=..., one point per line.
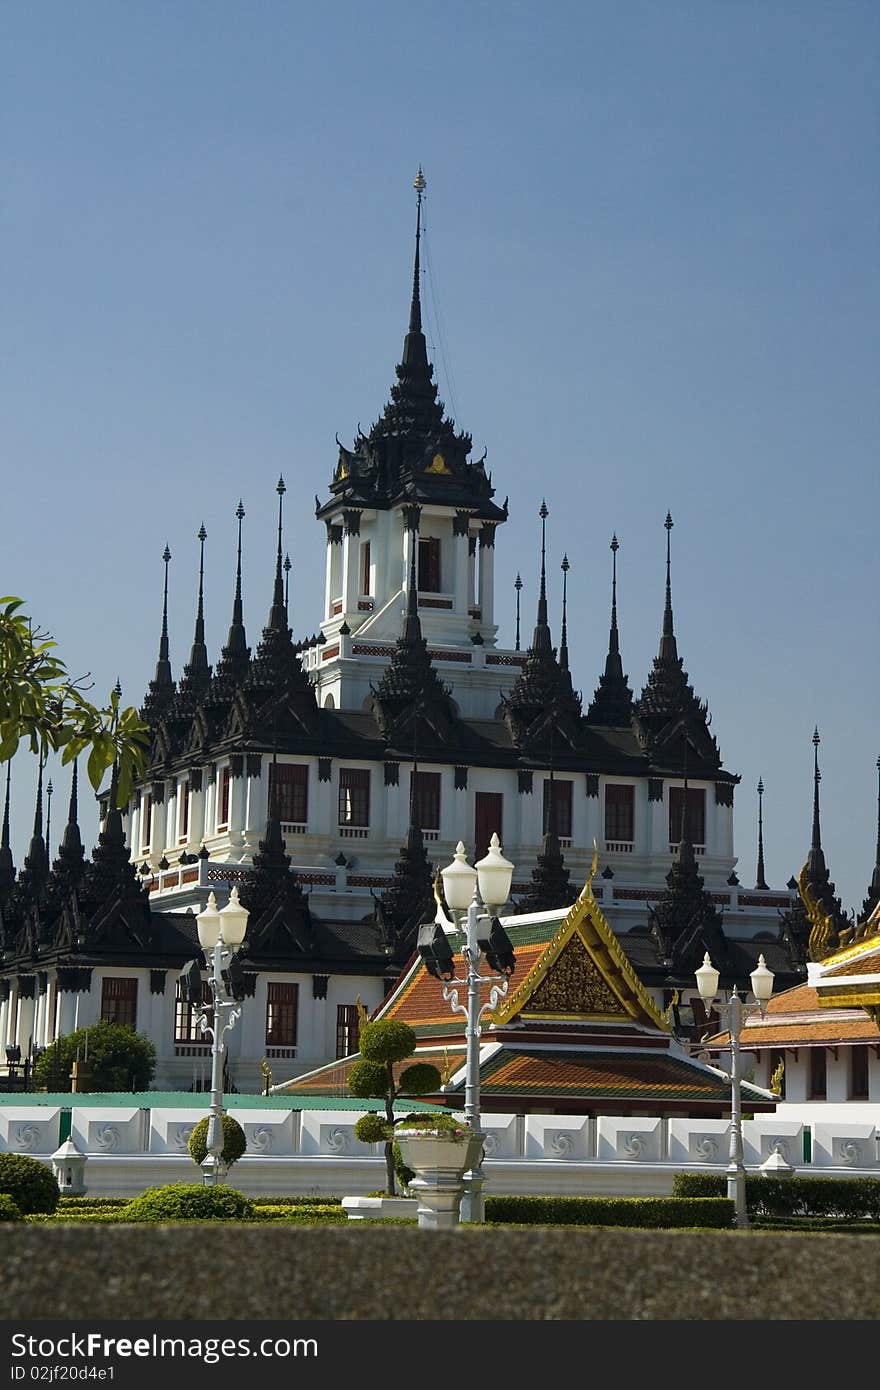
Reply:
x=208, y=924
x=495, y=875
x=459, y=879
x=233, y=921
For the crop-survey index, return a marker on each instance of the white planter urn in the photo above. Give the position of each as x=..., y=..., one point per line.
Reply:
x=439, y=1161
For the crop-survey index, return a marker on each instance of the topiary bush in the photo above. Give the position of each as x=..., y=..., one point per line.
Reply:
x=8, y=1210
x=29, y=1183
x=183, y=1201
x=234, y=1141
x=383, y=1043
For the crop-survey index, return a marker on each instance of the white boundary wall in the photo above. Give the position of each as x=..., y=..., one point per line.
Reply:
x=128, y=1148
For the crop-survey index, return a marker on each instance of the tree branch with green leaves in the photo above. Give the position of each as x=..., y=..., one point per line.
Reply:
x=43, y=705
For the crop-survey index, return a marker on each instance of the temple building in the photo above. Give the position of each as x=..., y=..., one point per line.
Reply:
x=329, y=778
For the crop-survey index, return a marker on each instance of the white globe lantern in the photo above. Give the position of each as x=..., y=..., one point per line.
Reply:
x=762, y=981
x=233, y=921
x=459, y=879
x=707, y=980
x=495, y=874
x=208, y=924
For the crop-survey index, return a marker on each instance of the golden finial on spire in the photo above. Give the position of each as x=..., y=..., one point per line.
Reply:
x=420, y=182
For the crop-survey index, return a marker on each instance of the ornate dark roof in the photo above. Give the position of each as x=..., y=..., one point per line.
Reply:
x=551, y=880
x=685, y=923
x=410, y=695
x=612, y=704
x=542, y=707
x=280, y=919
x=413, y=452
x=409, y=898
x=668, y=700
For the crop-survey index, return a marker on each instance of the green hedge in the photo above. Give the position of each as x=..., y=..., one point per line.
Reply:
x=848, y=1199
x=183, y=1201
x=8, y=1210
x=646, y=1212
x=30, y=1183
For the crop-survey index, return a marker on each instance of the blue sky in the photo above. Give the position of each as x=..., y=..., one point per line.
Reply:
x=652, y=284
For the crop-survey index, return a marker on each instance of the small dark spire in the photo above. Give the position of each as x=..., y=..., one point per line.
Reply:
x=816, y=843
x=7, y=866
x=761, y=881
x=517, y=584
x=612, y=703
x=161, y=688
x=70, y=861
x=563, y=641
x=668, y=648
x=235, y=656
x=542, y=641
x=278, y=612
x=49, y=790
x=36, y=863
x=287, y=568
x=197, y=672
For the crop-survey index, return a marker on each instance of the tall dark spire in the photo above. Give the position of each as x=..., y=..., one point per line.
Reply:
x=873, y=895
x=668, y=649
x=163, y=665
x=278, y=612
x=761, y=880
x=235, y=656
x=49, y=790
x=563, y=640
x=7, y=866
x=517, y=584
x=287, y=568
x=161, y=688
x=816, y=842
x=613, y=702
x=415, y=351
x=541, y=640
x=197, y=672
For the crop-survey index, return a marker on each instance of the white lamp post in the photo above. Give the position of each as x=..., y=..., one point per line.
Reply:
x=467, y=889
x=737, y=1011
x=220, y=936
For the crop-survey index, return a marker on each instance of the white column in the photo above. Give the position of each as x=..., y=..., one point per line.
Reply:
x=332, y=583
x=487, y=579
x=460, y=564
x=351, y=549
x=12, y=1015
x=257, y=801
x=67, y=1012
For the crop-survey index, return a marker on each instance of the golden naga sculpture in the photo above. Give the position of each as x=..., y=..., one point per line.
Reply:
x=823, y=936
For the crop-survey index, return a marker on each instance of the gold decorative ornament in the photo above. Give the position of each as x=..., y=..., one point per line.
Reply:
x=438, y=464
